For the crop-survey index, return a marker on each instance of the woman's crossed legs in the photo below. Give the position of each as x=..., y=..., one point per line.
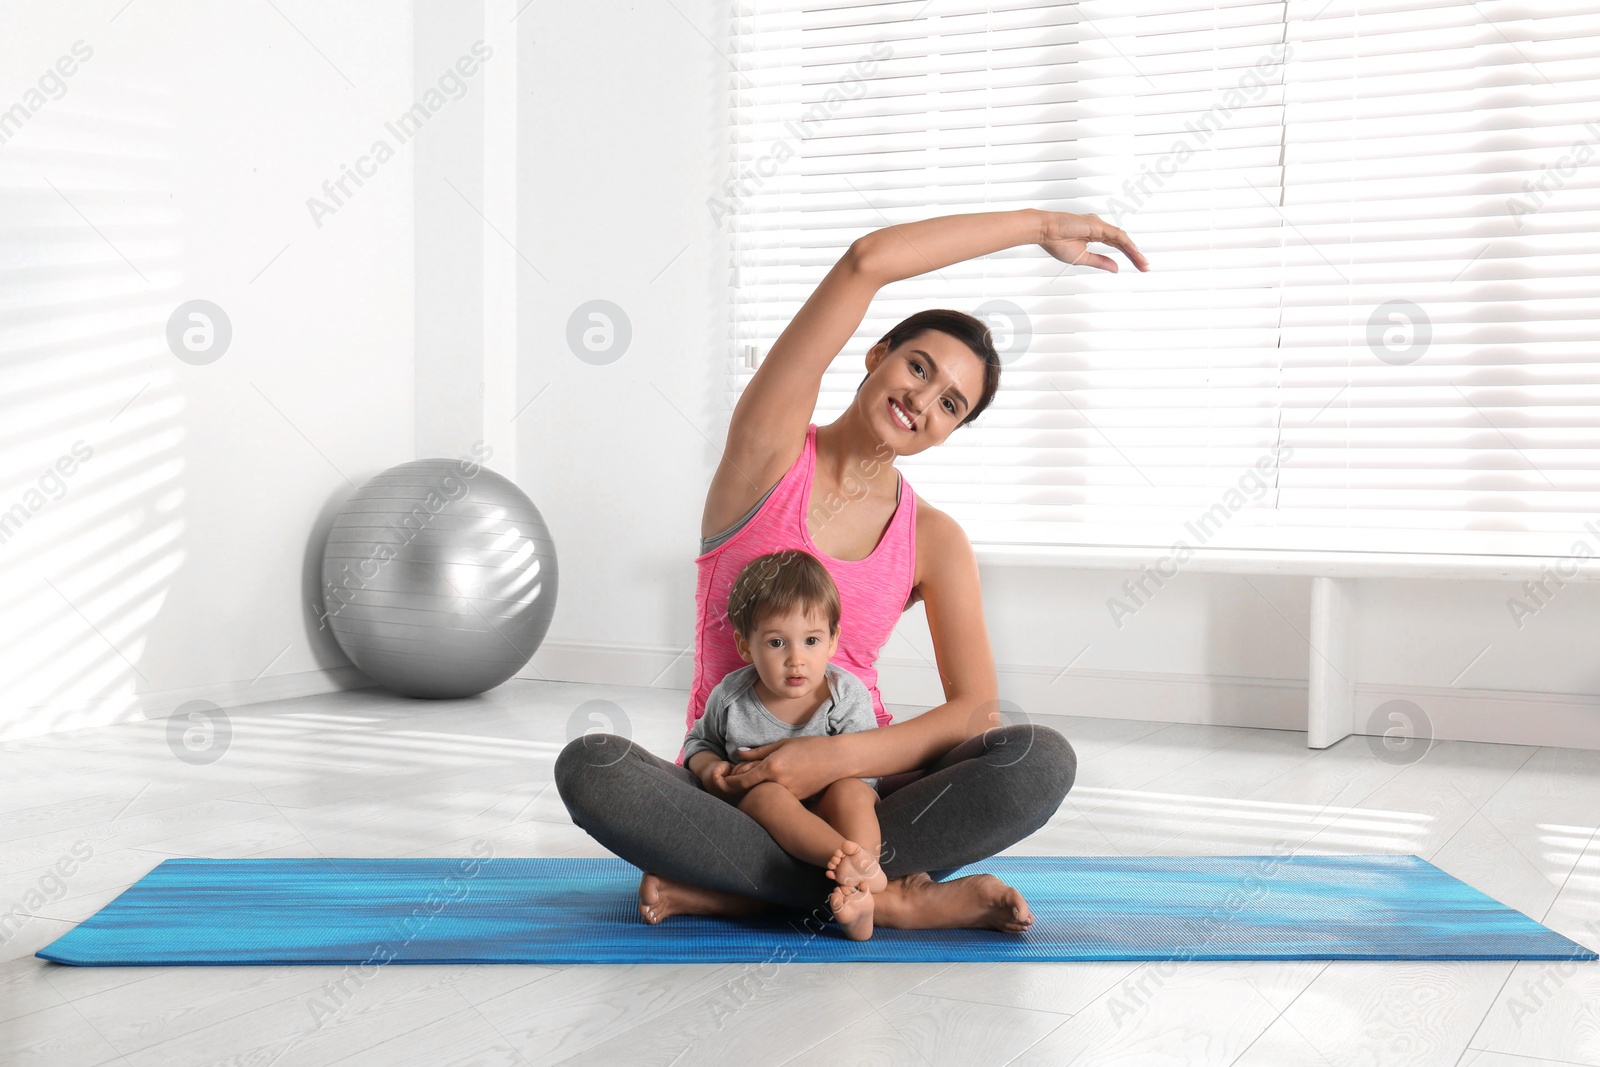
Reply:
x=703, y=856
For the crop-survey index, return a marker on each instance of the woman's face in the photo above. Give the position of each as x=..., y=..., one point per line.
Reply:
x=933, y=378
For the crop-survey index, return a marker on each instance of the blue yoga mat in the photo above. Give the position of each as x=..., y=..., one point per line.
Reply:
x=502, y=910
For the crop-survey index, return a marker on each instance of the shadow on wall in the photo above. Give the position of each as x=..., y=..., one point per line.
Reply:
x=92, y=460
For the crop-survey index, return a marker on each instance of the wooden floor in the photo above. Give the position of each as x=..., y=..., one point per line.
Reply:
x=364, y=774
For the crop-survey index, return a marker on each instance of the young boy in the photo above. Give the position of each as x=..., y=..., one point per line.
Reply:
x=784, y=609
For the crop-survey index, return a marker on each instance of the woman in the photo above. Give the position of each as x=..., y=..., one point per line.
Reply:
x=957, y=787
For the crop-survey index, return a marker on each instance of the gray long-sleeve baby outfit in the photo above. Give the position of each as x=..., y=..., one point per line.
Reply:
x=735, y=716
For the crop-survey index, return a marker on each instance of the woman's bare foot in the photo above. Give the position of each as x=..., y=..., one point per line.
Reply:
x=660, y=897
x=852, y=906
x=852, y=866
x=981, y=901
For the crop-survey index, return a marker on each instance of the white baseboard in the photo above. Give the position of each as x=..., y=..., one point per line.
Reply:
x=55, y=718
x=1498, y=716
x=1508, y=717
x=656, y=666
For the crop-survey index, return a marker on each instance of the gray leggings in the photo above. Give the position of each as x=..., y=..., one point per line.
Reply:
x=984, y=795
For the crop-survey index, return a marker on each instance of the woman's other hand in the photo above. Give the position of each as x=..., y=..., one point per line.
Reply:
x=1067, y=236
x=804, y=765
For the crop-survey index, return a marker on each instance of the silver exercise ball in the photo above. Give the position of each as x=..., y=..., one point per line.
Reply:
x=439, y=578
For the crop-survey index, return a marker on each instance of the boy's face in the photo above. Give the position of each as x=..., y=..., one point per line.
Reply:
x=791, y=652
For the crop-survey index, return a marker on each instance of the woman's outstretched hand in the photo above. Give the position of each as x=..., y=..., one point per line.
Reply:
x=1067, y=237
x=801, y=764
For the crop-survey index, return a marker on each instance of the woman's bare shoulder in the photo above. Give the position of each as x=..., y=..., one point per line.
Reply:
x=941, y=542
x=936, y=528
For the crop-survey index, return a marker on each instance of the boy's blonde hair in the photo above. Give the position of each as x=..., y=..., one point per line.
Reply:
x=779, y=582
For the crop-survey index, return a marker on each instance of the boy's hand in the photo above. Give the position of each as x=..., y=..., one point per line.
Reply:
x=715, y=777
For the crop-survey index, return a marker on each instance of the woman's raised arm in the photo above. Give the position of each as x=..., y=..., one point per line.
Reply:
x=769, y=422
x=768, y=426
x=897, y=252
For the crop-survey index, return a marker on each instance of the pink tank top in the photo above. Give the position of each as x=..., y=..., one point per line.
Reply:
x=873, y=592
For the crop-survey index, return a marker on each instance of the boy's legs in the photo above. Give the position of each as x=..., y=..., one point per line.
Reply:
x=797, y=830
x=809, y=836
x=851, y=807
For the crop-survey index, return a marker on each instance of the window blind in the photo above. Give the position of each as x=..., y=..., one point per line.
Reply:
x=1373, y=229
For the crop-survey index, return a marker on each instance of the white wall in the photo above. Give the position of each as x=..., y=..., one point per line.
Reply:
x=180, y=561
x=622, y=143
x=448, y=161
x=621, y=129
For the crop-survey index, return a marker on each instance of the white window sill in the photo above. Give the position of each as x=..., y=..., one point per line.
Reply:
x=1306, y=564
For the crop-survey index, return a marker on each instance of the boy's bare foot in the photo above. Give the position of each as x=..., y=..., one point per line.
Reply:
x=852, y=906
x=981, y=901
x=660, y=897
x=852, y=866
